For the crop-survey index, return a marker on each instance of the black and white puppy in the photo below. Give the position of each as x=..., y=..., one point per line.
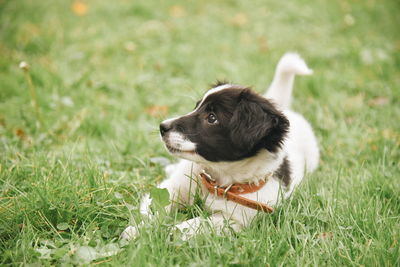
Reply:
x=238, y=136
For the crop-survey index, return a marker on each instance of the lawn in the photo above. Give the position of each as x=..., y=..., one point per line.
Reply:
x=75, y=159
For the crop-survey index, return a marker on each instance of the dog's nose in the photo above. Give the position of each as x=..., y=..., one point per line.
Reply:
x=164, y=128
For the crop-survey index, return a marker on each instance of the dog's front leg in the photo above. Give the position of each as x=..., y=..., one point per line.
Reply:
x=133, y=230
x=216, y=222
x=181, y=188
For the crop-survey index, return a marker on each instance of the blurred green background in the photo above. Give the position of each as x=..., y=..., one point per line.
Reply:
x=107, y=72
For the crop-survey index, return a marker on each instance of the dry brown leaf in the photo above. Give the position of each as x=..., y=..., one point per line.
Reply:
x=20, y=133
x=325, y=235
x=156, y=111
x=374, y=147
x=79, y=8
x=177, y=11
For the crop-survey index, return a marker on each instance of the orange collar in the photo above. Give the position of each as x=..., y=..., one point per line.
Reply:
x=232, y=192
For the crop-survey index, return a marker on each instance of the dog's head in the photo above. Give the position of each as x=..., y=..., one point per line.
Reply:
x=230, y=123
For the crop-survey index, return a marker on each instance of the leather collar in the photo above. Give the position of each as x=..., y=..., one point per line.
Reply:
x=233, y=191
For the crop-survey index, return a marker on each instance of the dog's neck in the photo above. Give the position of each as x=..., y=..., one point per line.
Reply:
x=249, y=170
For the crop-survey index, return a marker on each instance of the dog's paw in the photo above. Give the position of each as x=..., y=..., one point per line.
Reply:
x=189, y=228
x=129, y=233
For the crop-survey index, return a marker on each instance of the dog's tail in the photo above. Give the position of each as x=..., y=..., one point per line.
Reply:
x=280, y=90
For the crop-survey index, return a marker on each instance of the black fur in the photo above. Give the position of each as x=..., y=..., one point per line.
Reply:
x=283, y=173
x=246, y=124
x=257, y=124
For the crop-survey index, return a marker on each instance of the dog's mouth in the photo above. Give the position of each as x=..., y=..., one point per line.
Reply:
x=175, y=150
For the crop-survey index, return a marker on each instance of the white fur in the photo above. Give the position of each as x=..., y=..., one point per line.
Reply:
x=300, y=147
x=213, y=91
x=282, y=84
x=178, y=141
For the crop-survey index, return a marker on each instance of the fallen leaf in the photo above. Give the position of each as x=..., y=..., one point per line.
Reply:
x=79, y=8
x=374, y=147
x=378, y=101
x=156, y=111
x=177, y=11
x=20, y=133
x=325, y=235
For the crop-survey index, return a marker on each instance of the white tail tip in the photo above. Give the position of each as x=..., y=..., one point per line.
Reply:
x=294, y=64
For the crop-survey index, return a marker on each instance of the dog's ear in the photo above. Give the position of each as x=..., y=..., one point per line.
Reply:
x=256, y=124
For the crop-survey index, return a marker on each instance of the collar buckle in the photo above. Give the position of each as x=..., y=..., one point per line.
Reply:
x=208, y=176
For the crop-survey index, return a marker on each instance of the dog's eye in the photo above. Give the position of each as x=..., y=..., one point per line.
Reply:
x=212, y=119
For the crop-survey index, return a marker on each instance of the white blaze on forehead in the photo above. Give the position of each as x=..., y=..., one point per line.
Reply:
x=212, y=91
x=209, y=92
x=216, y=89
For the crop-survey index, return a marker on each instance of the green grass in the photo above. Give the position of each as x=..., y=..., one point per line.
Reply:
x=74, y=183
